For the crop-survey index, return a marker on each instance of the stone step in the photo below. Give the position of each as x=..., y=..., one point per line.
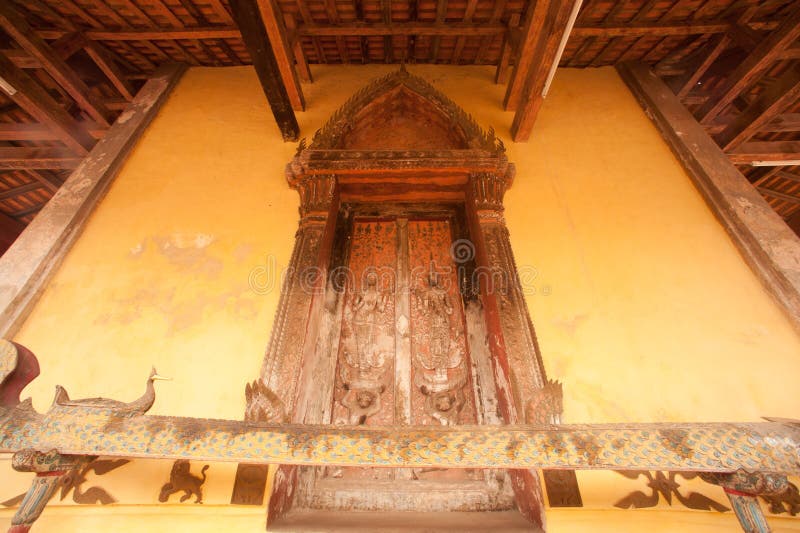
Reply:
x=314, y=521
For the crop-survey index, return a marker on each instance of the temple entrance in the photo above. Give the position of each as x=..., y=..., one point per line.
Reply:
x=403, y=357
x=402, y=307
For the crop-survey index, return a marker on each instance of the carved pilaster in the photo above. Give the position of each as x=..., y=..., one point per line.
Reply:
x=316, y=196
x=51, y=469
x=743, y=489
x=486, y=190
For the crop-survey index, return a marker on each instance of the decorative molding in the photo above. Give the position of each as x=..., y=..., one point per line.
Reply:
x=34, y=257
x=330, y=136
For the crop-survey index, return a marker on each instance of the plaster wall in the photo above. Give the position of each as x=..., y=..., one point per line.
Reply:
x=642, y=305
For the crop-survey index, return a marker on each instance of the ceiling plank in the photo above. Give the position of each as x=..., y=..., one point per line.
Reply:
x=15, y=25
x=776, y=97
x=544, y=59
x=38, y=103
x=248, y=14
x=13, y=157
x=753, y=66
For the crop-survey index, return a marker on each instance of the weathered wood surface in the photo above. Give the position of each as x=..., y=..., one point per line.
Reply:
x=27, y=266
x=768, y=245
x=720, y=447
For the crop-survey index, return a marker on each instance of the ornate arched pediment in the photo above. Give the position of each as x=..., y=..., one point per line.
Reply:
x=401, y=111
x=398, y=132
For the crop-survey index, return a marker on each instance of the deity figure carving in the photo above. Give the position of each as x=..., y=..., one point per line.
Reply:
x=441, y=374
x=366, y=352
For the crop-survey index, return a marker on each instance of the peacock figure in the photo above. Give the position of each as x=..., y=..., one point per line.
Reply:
x=134, y=408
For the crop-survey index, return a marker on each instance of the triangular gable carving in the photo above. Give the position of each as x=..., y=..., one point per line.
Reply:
x=378, y=101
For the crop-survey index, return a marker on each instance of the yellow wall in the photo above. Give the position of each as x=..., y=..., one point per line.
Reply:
x=642, y=305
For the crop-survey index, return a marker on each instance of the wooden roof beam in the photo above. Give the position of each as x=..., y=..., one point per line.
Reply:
x=251, y=22
x=766, y=153
x=754, y=65
x=15, y=158
x=784, y=122
x=775, y=98
x=366, y=29
x=105, y=61
x=276, y=32
x=38, y=103
x=15, y=25
x=770, y=248
x=550, y=29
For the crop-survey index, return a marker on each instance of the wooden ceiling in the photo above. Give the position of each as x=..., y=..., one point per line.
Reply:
x=69, y=67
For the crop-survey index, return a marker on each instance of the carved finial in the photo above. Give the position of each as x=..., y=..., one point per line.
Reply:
x=300, y=147
x=263, y=405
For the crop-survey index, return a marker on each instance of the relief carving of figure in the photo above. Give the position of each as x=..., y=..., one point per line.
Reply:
x=366, y=352
x=441, y=374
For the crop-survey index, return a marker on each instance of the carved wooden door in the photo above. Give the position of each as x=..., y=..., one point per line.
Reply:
x=402, y=358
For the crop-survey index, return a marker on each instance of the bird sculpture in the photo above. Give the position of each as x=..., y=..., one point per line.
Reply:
x=136, y=407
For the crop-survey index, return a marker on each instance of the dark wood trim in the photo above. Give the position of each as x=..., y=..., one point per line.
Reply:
x=766, y=243
x=29, y=264
x=248, y=15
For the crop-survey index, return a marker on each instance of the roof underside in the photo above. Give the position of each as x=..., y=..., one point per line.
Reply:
x=99, y=52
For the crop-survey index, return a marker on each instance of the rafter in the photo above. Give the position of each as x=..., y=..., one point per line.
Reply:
x=752, y=67
x=15, y=25
x=766, y=153
x=38, y=103
x=779, y=195
x=775, y=98
x=33, y=158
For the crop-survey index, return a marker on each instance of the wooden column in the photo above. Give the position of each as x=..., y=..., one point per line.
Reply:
x=248, y=16
x=768, y=245
x=28, y=264
x=290, y=359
